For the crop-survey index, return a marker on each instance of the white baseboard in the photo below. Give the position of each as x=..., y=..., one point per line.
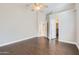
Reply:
x=70, y=43
x=1, y=45
x=77, y=46
x=67, y=42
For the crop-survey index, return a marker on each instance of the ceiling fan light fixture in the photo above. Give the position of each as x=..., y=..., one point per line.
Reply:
x=37, y=6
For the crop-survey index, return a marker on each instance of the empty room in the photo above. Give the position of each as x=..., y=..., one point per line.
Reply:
x=39, y=29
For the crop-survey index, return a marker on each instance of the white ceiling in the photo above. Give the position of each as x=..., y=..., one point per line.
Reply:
x=54, y=7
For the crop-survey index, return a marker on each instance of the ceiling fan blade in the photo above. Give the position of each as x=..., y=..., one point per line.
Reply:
x=44, y=6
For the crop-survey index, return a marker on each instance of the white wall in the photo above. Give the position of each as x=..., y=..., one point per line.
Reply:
x=67, y=31
x=16, y=23
x=77, y=24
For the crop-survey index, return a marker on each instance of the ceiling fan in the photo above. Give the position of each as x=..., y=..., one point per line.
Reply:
x=37, y=6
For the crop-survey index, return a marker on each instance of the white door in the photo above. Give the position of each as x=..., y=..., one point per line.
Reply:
x=52, y=28
x=42, y=29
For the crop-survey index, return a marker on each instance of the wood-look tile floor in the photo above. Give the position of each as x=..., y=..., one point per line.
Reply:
x=39, y=46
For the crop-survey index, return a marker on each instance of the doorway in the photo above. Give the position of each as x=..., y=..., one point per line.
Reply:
x=53, y=27
x=57, y=28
